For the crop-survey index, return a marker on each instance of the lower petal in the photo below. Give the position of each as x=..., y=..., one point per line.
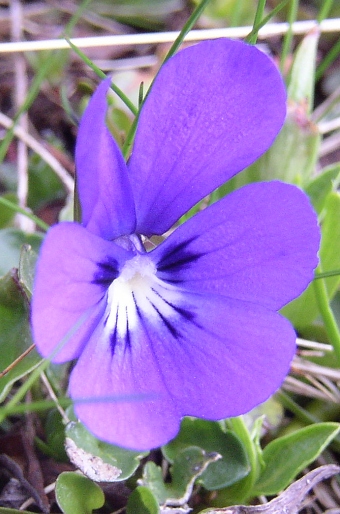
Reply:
x=222, y=360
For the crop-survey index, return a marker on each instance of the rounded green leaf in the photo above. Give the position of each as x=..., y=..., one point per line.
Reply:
x=28, y=259
x=208, y=435
x=286, y=456
x=11, y=241
x=15, y=336
x=100, y=461
x=54, y=429
x=76, y=494
x=142, y=501
x=189, y=464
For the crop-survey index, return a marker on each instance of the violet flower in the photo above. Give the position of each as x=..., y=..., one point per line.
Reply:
x=190, y=327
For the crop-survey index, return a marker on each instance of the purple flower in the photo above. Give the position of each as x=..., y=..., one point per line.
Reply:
x=190, y=327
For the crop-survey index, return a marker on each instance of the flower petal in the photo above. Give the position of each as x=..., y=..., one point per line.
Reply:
x=258, y=244
x=213, y=110
x=73, y=273
x=103, y=185
x=224, y=359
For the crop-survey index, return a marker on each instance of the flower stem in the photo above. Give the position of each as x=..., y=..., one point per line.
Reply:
x=328, y=60
x=40, y=223
x=187, y=27
x=245, y=486
x=327, y=314
x=102, y=75
x=38, y=406
x=326, y=274
x=23, y=389
x=174, y=47
x=303, y=415
x=324, y=10
x=287, y=43
x=252, y=36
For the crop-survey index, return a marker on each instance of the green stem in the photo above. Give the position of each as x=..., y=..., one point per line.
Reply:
x=186, y=28
x=39, y=406
x=295, y=409
x=24, y=388
x=236, y=15
x=287, y=43
x=174, y=47
x=237, y=425
x=43, y=72
x=33, y=91
x=303, y=415
x=325, y=9
x=326, y=274
x=252, y=38
x=102, y=75
x=327, y=315
x=76, y=17
x=328, y=60
x=41, y=224
x=43, y=364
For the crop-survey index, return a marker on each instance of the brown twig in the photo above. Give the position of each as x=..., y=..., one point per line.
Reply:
x=16, y=361
x=15, y=470
x=34, y=470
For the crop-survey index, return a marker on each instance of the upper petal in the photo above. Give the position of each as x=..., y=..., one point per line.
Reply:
x=103, y=185
x=214, y=108
x=258, y=244
x=212, y=358
x=73, y=272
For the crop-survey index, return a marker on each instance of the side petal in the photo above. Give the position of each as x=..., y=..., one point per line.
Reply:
x=258, y=244
x=227, y=358
x=213, y=110
x=73, y=273
x=102, y=180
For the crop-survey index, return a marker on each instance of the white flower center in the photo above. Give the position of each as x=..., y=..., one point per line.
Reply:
x=139, y=292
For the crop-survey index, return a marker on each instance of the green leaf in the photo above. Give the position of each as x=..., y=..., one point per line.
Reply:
x=99, y=460
x=322, y=185
x=11, y=241
x=15, y=336
x=7, y=214
x=76, y=494
x=286, y=456
x=188, y=465
x=27, y=262
x=290, y=501
x=292, y=158
x=147, y=14
x=295, y=152
x=302, y=78
x=119, y=124
x=54, y=431
x=44, y=185
x=142, y=501
x=230, y=12
x=5, y=510
x=232, y=467
x=67, y=212
x=303, y=311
